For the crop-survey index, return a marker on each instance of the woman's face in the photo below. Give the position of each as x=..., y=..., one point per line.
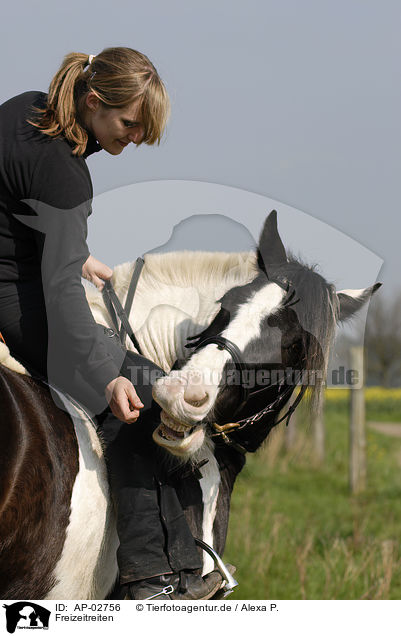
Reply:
x=114, y=128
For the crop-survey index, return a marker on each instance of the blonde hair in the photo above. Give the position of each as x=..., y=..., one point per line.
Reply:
x=117, y=76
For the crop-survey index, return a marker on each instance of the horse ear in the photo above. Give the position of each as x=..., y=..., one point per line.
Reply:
x=271, y=249
x=351, y=300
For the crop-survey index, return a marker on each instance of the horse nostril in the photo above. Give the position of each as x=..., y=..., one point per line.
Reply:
x=195, y=396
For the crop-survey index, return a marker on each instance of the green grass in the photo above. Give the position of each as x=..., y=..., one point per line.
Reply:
x=295, y=530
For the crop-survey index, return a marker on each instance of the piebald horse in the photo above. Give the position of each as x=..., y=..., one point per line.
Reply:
x=256, y=323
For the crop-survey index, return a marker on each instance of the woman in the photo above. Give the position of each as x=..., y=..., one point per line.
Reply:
x=94, y=102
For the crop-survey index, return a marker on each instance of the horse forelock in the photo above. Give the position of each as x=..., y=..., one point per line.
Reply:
x=316, y=309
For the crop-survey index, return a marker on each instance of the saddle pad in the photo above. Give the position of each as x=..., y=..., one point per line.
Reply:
x=75, y=410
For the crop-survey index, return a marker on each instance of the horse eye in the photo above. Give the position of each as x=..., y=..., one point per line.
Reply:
x=291, y=346
x=273, y=321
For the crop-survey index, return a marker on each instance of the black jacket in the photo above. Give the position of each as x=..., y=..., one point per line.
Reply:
x=45, y=199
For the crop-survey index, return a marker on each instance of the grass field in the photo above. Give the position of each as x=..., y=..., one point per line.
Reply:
x=295, y=530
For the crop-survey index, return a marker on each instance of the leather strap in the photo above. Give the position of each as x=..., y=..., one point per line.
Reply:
x=235, y=353
x=115, y=308
x=139, y=263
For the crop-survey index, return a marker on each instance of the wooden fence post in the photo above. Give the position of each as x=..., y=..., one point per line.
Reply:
x=357, y=431
x=318, y=427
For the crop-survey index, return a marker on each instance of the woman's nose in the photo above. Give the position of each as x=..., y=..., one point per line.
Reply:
x=135, y=136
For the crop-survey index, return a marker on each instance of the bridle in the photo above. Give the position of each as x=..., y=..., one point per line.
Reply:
x=220, y=432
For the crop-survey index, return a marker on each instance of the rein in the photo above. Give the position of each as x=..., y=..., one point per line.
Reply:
x=222, y=431
x=115, y=308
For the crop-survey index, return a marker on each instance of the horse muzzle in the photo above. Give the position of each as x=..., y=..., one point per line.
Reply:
x=179, y=439
x=185, y=397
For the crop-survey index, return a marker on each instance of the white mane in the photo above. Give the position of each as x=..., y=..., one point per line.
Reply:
x=175, y=298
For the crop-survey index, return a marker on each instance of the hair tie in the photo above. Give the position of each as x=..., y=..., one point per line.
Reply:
x=91, y=58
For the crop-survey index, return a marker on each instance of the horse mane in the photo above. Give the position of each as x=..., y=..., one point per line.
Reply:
x=317, y=312
x=192, y=269
x=202, y=270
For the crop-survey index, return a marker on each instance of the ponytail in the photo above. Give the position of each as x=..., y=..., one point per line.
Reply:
x=59, y=117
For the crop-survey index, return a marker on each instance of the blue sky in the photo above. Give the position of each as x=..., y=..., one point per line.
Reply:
x=297, y=101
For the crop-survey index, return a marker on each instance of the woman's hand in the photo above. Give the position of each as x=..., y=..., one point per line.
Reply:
x=123, y=399
x=96, y=272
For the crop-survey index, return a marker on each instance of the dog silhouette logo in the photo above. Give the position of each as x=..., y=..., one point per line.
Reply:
x=26, y=615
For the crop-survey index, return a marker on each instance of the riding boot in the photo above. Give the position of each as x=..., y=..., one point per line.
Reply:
x=154, y=536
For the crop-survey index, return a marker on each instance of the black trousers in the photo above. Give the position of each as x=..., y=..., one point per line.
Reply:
x=153, y=533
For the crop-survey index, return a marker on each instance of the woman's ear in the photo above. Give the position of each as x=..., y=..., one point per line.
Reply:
x=92, y=101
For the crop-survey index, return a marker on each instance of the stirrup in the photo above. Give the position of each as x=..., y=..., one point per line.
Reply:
x=230, y=582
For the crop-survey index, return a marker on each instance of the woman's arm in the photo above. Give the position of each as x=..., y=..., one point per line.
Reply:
x=61, y=196
x=121, y=395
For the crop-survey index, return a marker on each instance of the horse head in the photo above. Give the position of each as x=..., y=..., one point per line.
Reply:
x=269, y=336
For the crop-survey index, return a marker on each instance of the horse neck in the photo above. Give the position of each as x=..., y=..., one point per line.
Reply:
x=177, y=297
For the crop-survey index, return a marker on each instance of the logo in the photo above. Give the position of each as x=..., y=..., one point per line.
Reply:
x=26, y=615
